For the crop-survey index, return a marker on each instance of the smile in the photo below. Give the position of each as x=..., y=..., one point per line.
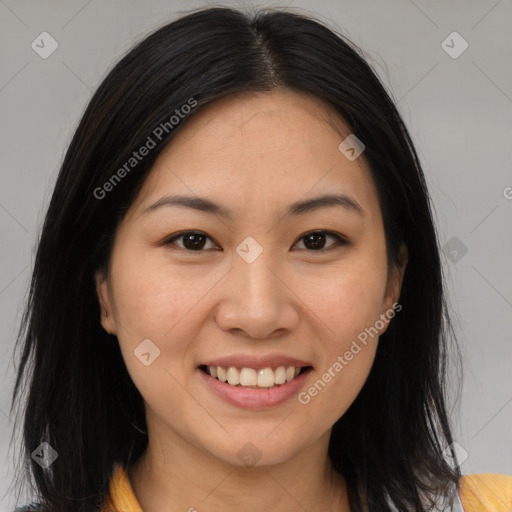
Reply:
x=266, y=378
x=241, y=386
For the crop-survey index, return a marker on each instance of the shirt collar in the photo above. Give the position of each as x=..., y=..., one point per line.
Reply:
x=121, y=497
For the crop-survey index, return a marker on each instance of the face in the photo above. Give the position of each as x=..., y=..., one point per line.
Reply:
x=254, y=288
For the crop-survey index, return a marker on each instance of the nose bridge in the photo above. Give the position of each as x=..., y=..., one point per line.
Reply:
x=256, y=301
x=253, y=266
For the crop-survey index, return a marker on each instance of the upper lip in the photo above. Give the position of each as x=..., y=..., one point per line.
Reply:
x=264, y=361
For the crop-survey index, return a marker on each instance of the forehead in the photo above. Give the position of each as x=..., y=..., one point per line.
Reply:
x=279, y=117
x=258, y=150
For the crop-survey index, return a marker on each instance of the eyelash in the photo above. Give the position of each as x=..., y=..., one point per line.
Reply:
x=341, y=240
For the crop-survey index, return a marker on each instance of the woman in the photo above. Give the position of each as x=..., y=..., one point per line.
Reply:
x=237, y=300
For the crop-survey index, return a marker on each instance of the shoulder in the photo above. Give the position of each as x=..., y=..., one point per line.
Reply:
x=486, y=492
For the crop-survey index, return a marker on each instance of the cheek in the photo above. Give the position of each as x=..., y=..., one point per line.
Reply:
x=335, y=388
x=348, y=301
x=151, y=298
x=149, y=305
x=348, y=309
x=348, y=304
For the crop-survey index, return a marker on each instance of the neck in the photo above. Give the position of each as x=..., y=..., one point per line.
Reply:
x=197, y=481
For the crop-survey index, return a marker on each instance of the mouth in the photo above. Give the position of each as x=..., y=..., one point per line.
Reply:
x=268, y=377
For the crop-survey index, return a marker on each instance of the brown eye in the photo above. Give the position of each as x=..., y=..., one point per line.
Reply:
x=192, y=240
x=316, y=240
x=195, y=241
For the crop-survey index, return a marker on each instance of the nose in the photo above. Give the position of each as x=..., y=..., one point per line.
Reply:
x=257, y=299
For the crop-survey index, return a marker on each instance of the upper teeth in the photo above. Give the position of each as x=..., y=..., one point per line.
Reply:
x=263, y=378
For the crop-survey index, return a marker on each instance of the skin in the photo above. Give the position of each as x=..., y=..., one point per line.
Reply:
x=255, y=153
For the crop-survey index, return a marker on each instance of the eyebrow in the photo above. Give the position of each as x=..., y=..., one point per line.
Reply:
x=298, y=208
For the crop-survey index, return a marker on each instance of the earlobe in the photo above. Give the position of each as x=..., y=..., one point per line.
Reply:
x=104, y=302
x=391, y=304
x=397, y=277
x=403, y=258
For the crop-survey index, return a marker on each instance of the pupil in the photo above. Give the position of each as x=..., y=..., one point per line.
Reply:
x=195, y=244
x=318, y=240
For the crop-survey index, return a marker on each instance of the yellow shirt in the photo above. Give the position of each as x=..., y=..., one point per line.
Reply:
x=486, y=492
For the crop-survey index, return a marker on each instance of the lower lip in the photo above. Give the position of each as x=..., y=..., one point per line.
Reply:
x=250, y=398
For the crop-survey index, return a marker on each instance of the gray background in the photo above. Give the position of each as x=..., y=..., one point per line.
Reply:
x=458, y=110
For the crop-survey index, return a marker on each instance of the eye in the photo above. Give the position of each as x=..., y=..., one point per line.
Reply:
x=195, y=241
x=315, y=240
x=192, y=240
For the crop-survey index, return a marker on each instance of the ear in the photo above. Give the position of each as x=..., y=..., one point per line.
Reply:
x=102, y=291
x=394, y=287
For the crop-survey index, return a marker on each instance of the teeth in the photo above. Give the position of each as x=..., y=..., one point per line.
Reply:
x=233, y=376
x=280, y=375
x=249, y=377
x=266, y=378
x=221, y=373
